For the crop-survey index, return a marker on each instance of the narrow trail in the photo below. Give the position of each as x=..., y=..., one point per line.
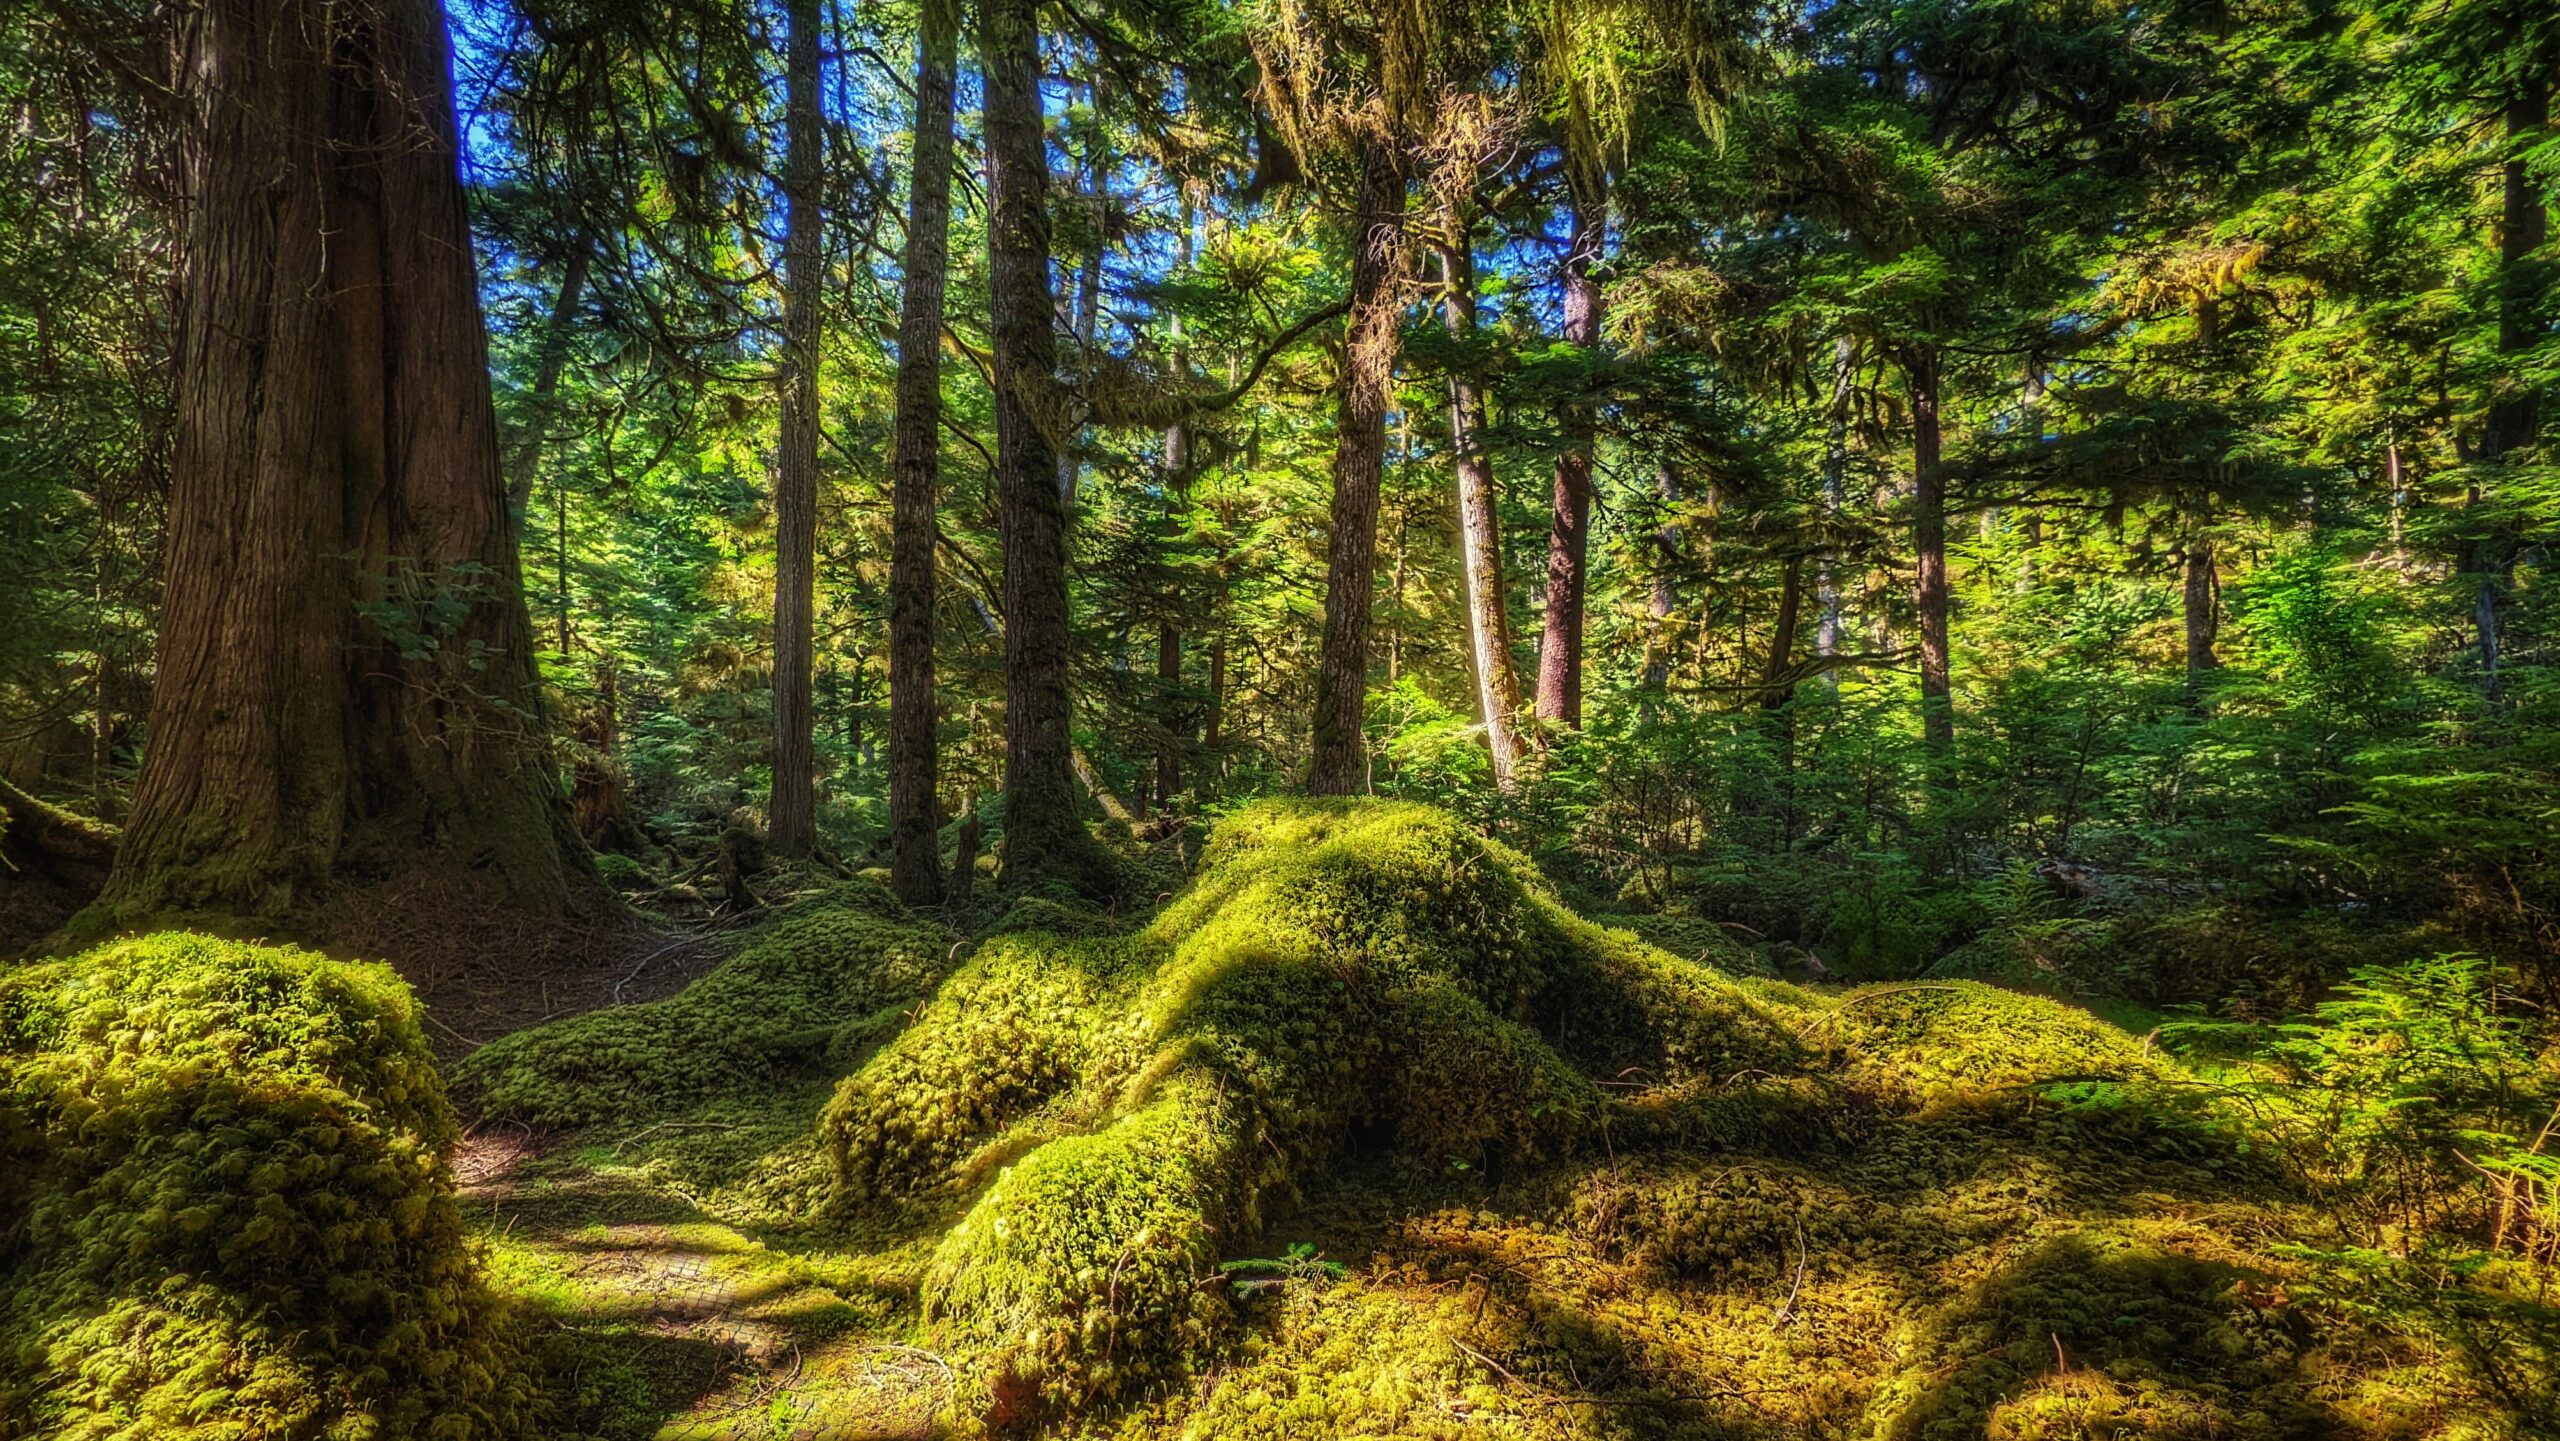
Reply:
x=735, y=1338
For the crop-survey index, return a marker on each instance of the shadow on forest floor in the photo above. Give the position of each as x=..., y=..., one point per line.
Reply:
x=715, y=1333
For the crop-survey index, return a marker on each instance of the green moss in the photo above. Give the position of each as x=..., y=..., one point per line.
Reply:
x=773, y=1009
x=226, y=1170
x=1962, y=1041
x=1336, y=971
x=623, y=873
x=1692, y=938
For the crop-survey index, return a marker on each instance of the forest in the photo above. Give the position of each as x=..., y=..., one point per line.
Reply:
x=1561, y=720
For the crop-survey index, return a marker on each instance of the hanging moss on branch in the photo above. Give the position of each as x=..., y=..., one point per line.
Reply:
x=227, y=1208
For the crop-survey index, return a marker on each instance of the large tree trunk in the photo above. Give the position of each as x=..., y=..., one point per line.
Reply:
x=915, y=808
x=1340, y=765
x=2515, y=413
x=1929, y=549
x=346, y=688
x=1569, y=526
x=791, y=817
x=554, y=357
x=1042, y=835
x=1480, y=527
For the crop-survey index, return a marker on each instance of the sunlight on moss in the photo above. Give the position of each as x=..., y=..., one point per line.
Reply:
x=227, y=1175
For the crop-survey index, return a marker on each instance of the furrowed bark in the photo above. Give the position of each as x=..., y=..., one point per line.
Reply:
x=791, y=815
x=1042, y=835
x=1340, y=764
x=915, y=810
x=346, y=690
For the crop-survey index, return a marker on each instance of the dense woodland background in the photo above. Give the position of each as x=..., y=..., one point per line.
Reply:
x=813, y=574
x=2061, y=487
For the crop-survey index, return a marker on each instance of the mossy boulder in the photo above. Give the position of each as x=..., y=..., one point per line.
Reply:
x=783, y=1003
x=226, y=1209
x=1118, y=1113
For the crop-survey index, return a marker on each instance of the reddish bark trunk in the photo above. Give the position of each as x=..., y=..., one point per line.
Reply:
x=346, y=688
x=1569, y=522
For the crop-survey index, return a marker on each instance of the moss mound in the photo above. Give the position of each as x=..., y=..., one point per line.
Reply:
x=1116, y=1114
x=227, y=1210
x=797, y=995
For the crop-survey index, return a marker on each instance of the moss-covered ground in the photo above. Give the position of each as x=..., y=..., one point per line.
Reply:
x=1365, y=1135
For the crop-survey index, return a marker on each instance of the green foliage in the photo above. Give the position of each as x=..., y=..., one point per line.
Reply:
x=774, y=1008
x=231, y=1212
x=1341, y=979
x=2414, y=1102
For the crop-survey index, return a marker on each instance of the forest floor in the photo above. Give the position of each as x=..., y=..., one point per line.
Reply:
x=733, y=1335
x=1903, y=1211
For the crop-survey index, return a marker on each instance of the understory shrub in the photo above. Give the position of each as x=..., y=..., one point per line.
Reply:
x=226, y=1211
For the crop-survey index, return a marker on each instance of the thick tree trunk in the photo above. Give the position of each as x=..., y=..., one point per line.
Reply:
x=2515, y=413
x=1042, y=835
x=2203, y=614
x=791, y=817
x=1569, y=526
x=915, y=808
x=1340, y=764
x=346, y=688
x=554, y=357
x=1929, y=549
x=1480, y=528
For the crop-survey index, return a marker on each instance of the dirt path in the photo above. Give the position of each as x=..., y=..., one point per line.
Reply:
x=729, y=1337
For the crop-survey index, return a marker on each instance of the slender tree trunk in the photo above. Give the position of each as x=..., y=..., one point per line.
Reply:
x=1088, y=294
x=1835, y=484
x=554, y=357
x=1172, y=715
x=1777, y=683
x=345, y=689
x=1480, y=526
x=2203, y=601
x=1042, y=835
x=1569, y=526
x=1666, y=585
x=915, y=807
x=2515, y=415
x=1341, y=756
x=791, y=818
x=1929, y=548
